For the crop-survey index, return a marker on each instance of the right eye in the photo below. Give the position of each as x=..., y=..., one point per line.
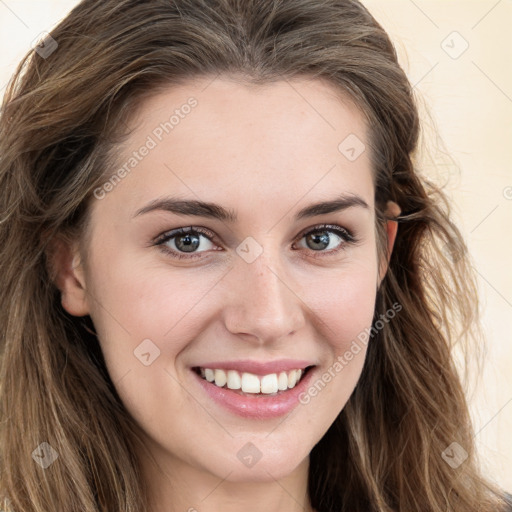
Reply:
x=183, y=242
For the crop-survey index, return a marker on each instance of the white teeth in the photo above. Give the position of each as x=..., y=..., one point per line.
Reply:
x=250, y=383
x=292, y=379
x=234, y=380
x=282, y=383
x=220, y=378
x=269, y=384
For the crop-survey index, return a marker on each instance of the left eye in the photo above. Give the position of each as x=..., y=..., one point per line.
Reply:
x=327, y=238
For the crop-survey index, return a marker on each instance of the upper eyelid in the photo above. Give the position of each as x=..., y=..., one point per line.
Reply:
x=167, y=235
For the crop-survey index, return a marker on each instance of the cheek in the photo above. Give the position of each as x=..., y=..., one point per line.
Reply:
x=145, y=317
x=343, y=301
x=134, y=300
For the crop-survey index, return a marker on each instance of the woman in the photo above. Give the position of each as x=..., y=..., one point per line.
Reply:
x=226, y=285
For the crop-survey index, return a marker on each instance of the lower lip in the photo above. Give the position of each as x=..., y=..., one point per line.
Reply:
x=258, y=406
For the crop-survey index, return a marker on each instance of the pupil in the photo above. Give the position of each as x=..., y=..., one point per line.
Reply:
x=187, y=243
x=322, y=239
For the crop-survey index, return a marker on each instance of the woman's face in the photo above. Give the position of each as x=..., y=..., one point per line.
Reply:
x=250, y=291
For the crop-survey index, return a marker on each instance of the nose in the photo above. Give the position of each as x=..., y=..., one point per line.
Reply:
x=263, y=302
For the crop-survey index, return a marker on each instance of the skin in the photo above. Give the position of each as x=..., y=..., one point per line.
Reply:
x=264, y=153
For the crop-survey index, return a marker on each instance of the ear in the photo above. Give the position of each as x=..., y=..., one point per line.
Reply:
x=68, y=275
x=392, y=211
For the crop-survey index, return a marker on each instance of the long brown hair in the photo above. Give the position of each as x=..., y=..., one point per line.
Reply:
x=63, y=116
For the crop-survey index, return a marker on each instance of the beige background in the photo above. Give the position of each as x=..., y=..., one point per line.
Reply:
x=469, y=97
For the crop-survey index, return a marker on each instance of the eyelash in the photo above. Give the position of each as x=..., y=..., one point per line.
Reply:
x=161, y=240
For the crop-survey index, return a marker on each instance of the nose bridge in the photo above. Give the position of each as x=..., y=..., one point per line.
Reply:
x=263, y=305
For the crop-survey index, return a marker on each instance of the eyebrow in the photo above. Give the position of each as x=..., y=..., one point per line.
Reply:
x=216, y=211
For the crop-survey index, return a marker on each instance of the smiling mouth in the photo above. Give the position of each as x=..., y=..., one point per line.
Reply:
x=249, y=384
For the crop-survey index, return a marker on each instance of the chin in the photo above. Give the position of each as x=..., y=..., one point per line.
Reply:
x=259, y=460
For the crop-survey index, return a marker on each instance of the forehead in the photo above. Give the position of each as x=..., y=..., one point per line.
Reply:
x=220, y=138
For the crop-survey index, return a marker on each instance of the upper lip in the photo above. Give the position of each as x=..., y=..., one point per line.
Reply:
x=258, y=367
